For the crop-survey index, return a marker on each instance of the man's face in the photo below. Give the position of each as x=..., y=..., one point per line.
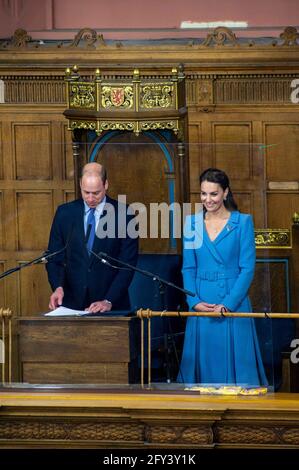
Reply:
x=93, y=189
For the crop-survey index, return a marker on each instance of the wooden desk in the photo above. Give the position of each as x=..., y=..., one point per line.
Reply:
x=94, y=350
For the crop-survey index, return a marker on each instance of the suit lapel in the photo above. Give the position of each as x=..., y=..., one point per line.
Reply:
x=231, y=225
x=228, y=229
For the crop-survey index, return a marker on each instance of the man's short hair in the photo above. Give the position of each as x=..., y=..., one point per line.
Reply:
x=102, y=172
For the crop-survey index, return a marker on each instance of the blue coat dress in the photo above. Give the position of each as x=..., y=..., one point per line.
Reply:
x=221, y=350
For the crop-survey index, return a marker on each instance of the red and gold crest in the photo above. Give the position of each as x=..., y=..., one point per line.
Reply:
x=117, y=96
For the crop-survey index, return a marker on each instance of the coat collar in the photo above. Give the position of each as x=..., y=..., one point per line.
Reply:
x=231, y=225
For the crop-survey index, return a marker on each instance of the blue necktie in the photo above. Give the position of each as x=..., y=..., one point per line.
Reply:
x=90, y=230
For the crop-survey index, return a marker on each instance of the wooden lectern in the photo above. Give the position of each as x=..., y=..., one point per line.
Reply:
x=77, y=350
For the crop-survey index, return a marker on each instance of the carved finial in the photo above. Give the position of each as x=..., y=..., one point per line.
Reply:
x=290, y=36
x=296, y=218
x=20, y=38
x=136, y=76
x=219, y=36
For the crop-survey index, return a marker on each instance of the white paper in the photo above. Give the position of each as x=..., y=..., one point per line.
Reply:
x=66, y=312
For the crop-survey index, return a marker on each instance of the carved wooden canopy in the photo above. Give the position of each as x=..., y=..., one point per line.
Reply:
x=134, y=104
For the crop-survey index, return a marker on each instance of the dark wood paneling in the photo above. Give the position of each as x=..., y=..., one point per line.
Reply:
x=34, y=217
x=34, y=290
x=281, y=207
x=232, y=149
x=32, y=147
x=282, y=141
x=104, y=347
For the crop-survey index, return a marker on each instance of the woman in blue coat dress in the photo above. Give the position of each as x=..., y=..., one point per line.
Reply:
x=220, y=270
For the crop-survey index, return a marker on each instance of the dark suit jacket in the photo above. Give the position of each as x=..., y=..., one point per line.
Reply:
x=85, y=278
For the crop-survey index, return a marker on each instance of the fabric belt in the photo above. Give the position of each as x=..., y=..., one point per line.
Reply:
x=216, y=275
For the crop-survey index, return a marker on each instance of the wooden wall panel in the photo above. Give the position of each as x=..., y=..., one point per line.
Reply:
x=137, y=168
x=68, y=196
x=244, y=201
x=68, y=161
x=34, y=290
x=32, y=151
x=1, y=152
x=282, y=143
x=34, y=218
x=2, y=292
x=2, y=222
x=232, y=150
x=196, y=155
x=281, y=207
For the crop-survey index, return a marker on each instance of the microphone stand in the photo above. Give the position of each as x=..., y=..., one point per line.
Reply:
x=105, y=258
x=39, y=260
x=102, y=257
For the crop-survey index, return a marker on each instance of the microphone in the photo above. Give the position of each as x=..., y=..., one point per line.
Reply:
x=43, y=259
x=154, y=277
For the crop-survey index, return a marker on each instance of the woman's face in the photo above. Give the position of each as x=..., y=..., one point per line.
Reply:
x=212, y=196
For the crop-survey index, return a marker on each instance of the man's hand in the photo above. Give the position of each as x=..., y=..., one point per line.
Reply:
x=56, y=298
x=100, y=306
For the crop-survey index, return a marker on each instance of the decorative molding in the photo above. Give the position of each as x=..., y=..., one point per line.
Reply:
x=135, y=104
x=202, y=431
x=273, y=238
x=257, y=434
x=239, y=90
x=185, y=434
x=201, y=90
x=49, y=429
x=220, y=36
x=88, y=38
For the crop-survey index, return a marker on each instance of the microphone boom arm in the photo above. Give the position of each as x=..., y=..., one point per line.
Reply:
x=102, y=256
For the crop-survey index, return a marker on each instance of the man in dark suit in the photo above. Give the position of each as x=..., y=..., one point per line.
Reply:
x=79, y=280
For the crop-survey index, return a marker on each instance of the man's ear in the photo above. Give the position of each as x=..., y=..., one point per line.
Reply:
x=106, y=185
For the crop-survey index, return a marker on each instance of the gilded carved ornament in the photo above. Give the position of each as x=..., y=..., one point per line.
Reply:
x=118, y=97
x=273, y=238
x=156, y=96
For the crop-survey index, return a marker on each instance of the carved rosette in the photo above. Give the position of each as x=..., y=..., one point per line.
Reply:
x=156, y=95
x=82, y=95
x=117, y=97
x=273, y=238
